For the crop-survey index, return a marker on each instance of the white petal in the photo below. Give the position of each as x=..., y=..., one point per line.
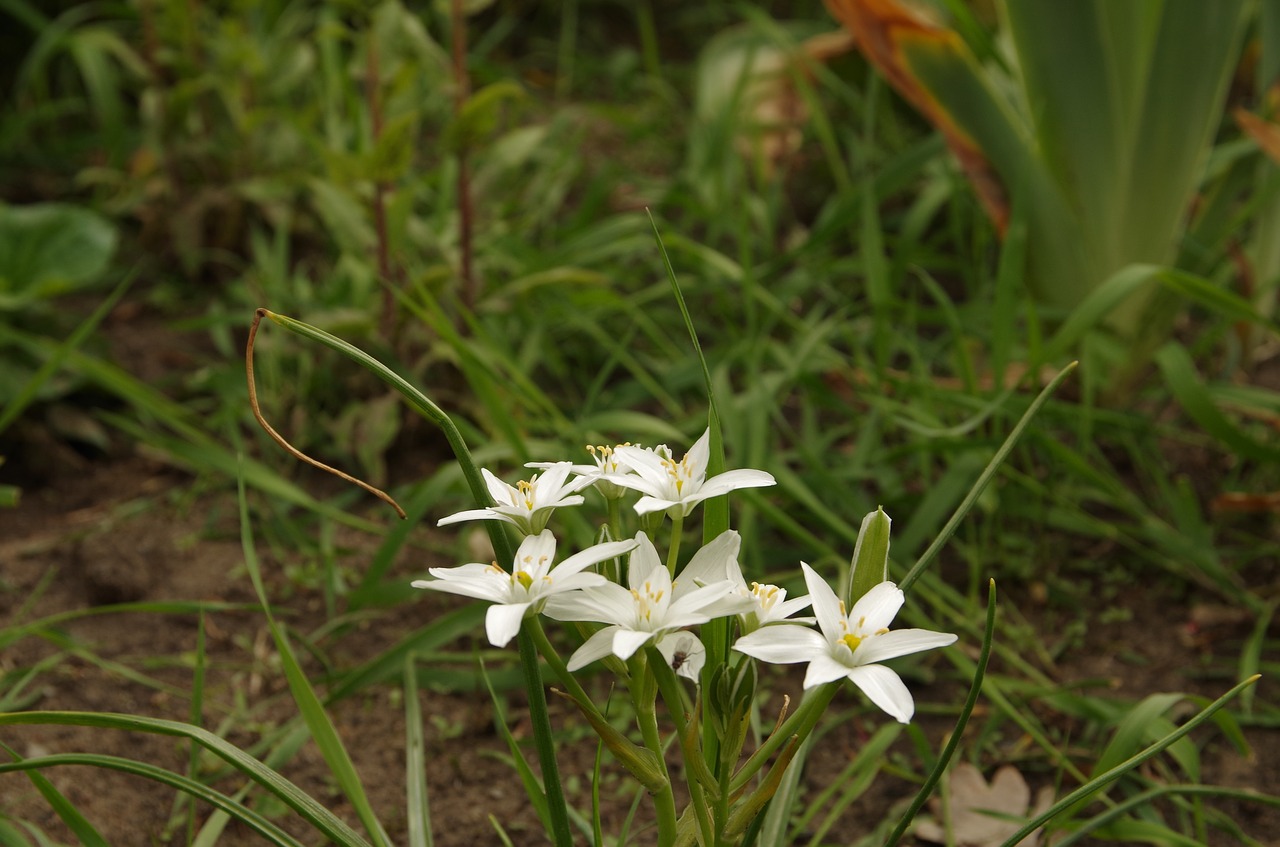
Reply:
x=647, y=505
x=551, y=481
x=644, y=563
x=573, y=582
x=713, y=562
x=498, y=490
x=502, y=622
x=696, y=606
x=784, y=644
x=884, y=688
x=647, y=465
x=606, y=603
x=688, y=649
x=826, y=606
x=636, y=483
x=581, y=470
x=536, y=554
x=474, y=515
x=627, y=641
x=824, y=669
x=597, y=646
x=899, y=642
x=879, y=607
x=699, y=455
x=733, y=480
x=787, y=608
x=474, y=580
x=592, y=555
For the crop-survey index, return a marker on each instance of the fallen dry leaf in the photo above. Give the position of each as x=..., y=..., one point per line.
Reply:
x=975, y=808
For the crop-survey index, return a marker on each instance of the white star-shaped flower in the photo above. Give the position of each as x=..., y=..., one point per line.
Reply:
x=527, y=504
x=651, y=608
x=677, y=486
x=849, y=645
x=534, y=578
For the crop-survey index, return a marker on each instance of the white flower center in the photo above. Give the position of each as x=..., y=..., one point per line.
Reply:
x=606, y=461
x=647, y=602
x=680, y=472
x=525, y=493
x=859, y=633
x=766, y=596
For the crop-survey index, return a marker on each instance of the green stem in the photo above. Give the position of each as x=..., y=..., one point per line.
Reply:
x=558, y=666
x=545, y=744
x=615, y=533
x=800, y=724
x=644, y=699
x=669, y=685
x=673, y=552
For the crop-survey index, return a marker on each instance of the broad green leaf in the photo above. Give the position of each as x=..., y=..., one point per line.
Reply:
x=49, y=249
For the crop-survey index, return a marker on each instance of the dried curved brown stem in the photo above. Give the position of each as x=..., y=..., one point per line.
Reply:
x=279, y=439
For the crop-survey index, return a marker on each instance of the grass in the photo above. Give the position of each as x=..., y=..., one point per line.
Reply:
x=857, y=313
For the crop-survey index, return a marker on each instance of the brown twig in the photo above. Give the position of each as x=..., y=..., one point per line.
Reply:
x=279, y=439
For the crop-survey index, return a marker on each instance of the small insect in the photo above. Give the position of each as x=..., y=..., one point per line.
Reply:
x=678, y=659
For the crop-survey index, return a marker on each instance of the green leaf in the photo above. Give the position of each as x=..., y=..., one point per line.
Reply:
x=1180, y=376
x=870, y=564
x=417, y=806
x=324, y=821
x=49, y=249
x=478, y=117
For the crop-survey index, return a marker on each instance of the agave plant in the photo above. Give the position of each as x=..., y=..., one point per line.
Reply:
x=1090, y=121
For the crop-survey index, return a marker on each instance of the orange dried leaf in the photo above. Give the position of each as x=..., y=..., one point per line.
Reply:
x=883, y=29
x=1265, y=133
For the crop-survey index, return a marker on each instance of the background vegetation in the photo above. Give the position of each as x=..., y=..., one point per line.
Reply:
x=472, y=197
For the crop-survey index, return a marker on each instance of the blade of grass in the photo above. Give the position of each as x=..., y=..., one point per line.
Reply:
x=325, y=822
x=953, y=742
x=322, y=729
x=983, y=479
x=59, y=354
x=417, y=806
x=1103, y=780
x=195, y=789
x=62, y=807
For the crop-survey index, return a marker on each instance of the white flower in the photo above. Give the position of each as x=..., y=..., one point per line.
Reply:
x=762, y=604
x=849, y=645
x=527, y=505
x=533, y=579
x=607, y=465
x=678, y=486
x=651, y=608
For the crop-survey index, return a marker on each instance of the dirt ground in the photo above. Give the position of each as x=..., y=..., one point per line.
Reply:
x=123, y=527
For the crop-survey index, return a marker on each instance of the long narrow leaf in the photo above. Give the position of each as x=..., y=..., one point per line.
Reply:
x=1103, y=780
x=317, y=720
x=417, y=807
x=196, y=790
x=325, y=822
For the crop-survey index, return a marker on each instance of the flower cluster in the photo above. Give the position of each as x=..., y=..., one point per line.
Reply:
x=656, y=606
